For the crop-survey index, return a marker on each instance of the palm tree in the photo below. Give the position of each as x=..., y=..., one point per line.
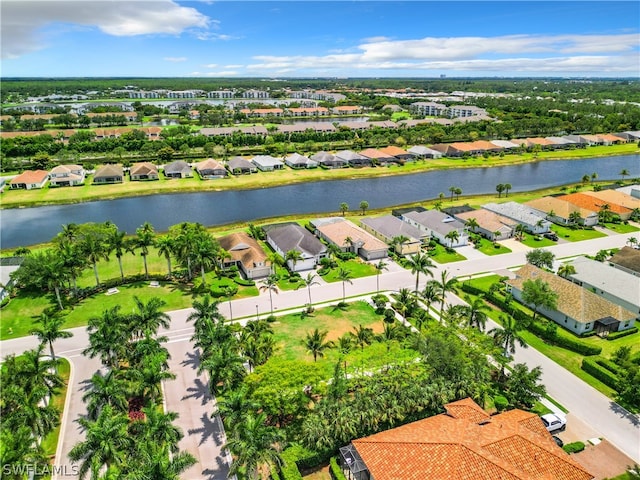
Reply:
x=94, y=250
x=476, y=312
x=500, y=189
x=344, y=276
x=452, y=189
x=49, y=331
x=519, y=231
x=390, y=333
x=566, y=269
x=71, y=262
x=148, y=318
x=144, y=240
x=380, y=266
x=234, y=408
x=405, y=302
x=624, y=173
x=344, y=207
x=270, y=284
x=157, y=464
x=507, y=187
x=276, y=260
x=586, y=179
x=594, y=176
x=398, y=242
x=471, y=224
x=316, y=343
x=452, y=236
x=293, y=256
x=204, y=311
x=108, y=335
x=363, y=206
x=445, y=285
x=363, y=336
x=53, y=274
x=165, y=246
x=420, y=263
x=508, y=335
x=253, y=445
x=106, y=443
x=458, y=192
x=106, y=390
x=309, y=282
x=574, y=218
x=344, y=346
x=205, y=254
x=148, y=378
x=117, y=244
x=430, y=293
x=158, y=428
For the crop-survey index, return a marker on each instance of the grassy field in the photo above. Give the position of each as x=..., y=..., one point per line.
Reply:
x=291, y=330
x=576, y=234
x=88, y=192
x=620, y=227
x=357, y=267
x=489, y=248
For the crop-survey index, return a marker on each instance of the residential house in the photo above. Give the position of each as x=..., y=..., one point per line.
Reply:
x=144, y=171
x=609, y=139
x=491, y=225
x=297, y=161
x=464, y=443
x=307, y=111
x=388, y=227
x=267, y=163
x=247, y=254
x=421, y=151
x=595, y=204
x=585, y=139
x=562, y=212
x=303, y=127
x=178, y=169
x=398, y=152
x=627, y=259
x=291, y=236
x=629, y=136
x=633, y=190
x=378, y=156
x=614, y=197
x=542, y=142
x=109, y=174
x=348, y=237
x=353, y=159
x=531, y=219
x=29, y=180
x=210, y=168
x=505, y=144
x=439, y=226
x=240, y=165
x=561, y=142
x=328, y=160
x=67, y=175
x=608, y=282
x=578, y=309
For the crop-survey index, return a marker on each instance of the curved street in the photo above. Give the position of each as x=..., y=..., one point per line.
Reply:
x=188, y=393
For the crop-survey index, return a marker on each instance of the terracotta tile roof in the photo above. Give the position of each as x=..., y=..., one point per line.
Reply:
x=393, y=151
x=30, y=176
x=614, y=197
x=209, y=164
x=511, y=446
x=143, y=168
x=243, y=248
x=375, y=153
x=538, y=141
x=576, y=302
x=339, y=231
x=561, y=208
x=490, y=221
x=609, y=138
x=592, y=203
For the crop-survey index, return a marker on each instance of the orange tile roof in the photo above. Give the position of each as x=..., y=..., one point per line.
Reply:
x=539, y=141
x=592, y=203
x=614, y=197
x=469, y=446
x=393, y=150
x=30, y=176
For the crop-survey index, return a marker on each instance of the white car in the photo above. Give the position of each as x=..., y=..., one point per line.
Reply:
x=554, y=422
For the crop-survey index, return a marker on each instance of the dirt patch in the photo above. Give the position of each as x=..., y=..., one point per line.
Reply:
x=321, y=473
x=603, y=460
x=344, y=325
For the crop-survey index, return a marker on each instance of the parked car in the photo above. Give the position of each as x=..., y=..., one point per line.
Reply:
x=551, y=236
x=554, y=422
x=558, y=441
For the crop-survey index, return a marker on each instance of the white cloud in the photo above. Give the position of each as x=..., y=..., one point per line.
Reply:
x=211, y=65
x=508, y=54
x=175, y=59
x=23, y=21
x=233, y=67
x=215, y=36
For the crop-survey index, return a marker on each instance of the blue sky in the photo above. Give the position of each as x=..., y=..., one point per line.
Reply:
x=168, y=38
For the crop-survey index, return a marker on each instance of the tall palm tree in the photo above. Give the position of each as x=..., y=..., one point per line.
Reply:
x=316, y=343
x=155, y=463
x=500, y=189
x=390, y=333
x=507, y=187
x=270, y=284
x=420, y=263
x=49, y=331
x=234, y=407
x=53, y=274
x=363, y=336
x=476, y=312
x=40, y=372
x=344, y=207
x=144, y=240
x=159, y=429
x=344, y=346
x=204, y=310
x=71, y=262
x=108, y=336
x=147, y=379
x=94, y=249
x=445, y=285
x=566, y=269
x=380, y=266
x=106, y=389
x=452, y=236
x=165, y=246
x=430, y=293
x=253, y=445
x=471, y=224
x=344, y=276
x=106, y=443
x=205, y=254
x=117, y=244
x=148, y=317
x=405, y=302
x=293, y=256
x=508, y=335
x=276, y=260
x=624, y=173
x=309, y=282
x=225, y=368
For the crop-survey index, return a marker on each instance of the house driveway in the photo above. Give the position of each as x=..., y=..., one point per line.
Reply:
x=514, y=245
x=603, y=460
x=470, y=253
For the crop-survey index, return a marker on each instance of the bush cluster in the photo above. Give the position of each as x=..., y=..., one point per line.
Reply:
x=573, y=447
x=607, y=377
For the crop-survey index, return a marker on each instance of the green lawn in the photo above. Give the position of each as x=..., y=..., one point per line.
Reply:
x=18, y=315
x=357, y=267
x=441, y=255
x=536, y=241
x=291, y=330
x=576, y=234
x=50, y=442
x=489, y=248
x=620, y=227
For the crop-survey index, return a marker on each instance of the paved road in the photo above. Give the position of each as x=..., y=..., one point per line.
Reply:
x=583, y=401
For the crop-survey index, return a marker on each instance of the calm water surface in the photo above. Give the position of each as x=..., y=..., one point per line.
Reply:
x=39, y=224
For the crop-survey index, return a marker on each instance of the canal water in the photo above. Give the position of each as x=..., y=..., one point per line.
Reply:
x=28, y=226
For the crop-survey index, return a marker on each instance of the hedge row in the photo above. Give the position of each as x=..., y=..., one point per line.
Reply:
x=536, y=328
x=297, y=458
x=623, y=333
x=590, y=366
x=609, y=365
x=336, y=471
x=243, y=282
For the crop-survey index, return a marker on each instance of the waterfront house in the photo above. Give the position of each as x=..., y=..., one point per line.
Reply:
x=578, y=309
x=247, y=254
x=210, y=168
x=348, y=237
x=297, y=161
x=595, y=204
x=388, y=227
x=491, y=225
x=241, y=166
x=353, y=159
x=29, y=180
x=178, y=169
x=328, y=160
x=67, y=176
x=398, y=152
x=560, y=211
x=531, y=219
x=420, y=151
x=267, y=163
x=627, y=259
x=439, y=226
x=109, y=173
x=291, y=236
x=378, y=156
x=144, y=171
x=615, y=197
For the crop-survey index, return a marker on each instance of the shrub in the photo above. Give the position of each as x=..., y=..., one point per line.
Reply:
x=573, y=447
x=500, y=402
x=243, y=282
x=623, y=333
x=609, y=365
x=590, y=366
x=389, y=315
x=336, y=471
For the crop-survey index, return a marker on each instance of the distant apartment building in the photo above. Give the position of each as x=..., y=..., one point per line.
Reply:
x=431, y=109
x=321, y=95
x=255, y=94
x=221, y=94
x=440, y=110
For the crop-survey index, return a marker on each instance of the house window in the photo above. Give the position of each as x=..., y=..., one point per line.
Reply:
x=626, y=324
x=575, y=324
x=565, y=319
x=587, y=326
